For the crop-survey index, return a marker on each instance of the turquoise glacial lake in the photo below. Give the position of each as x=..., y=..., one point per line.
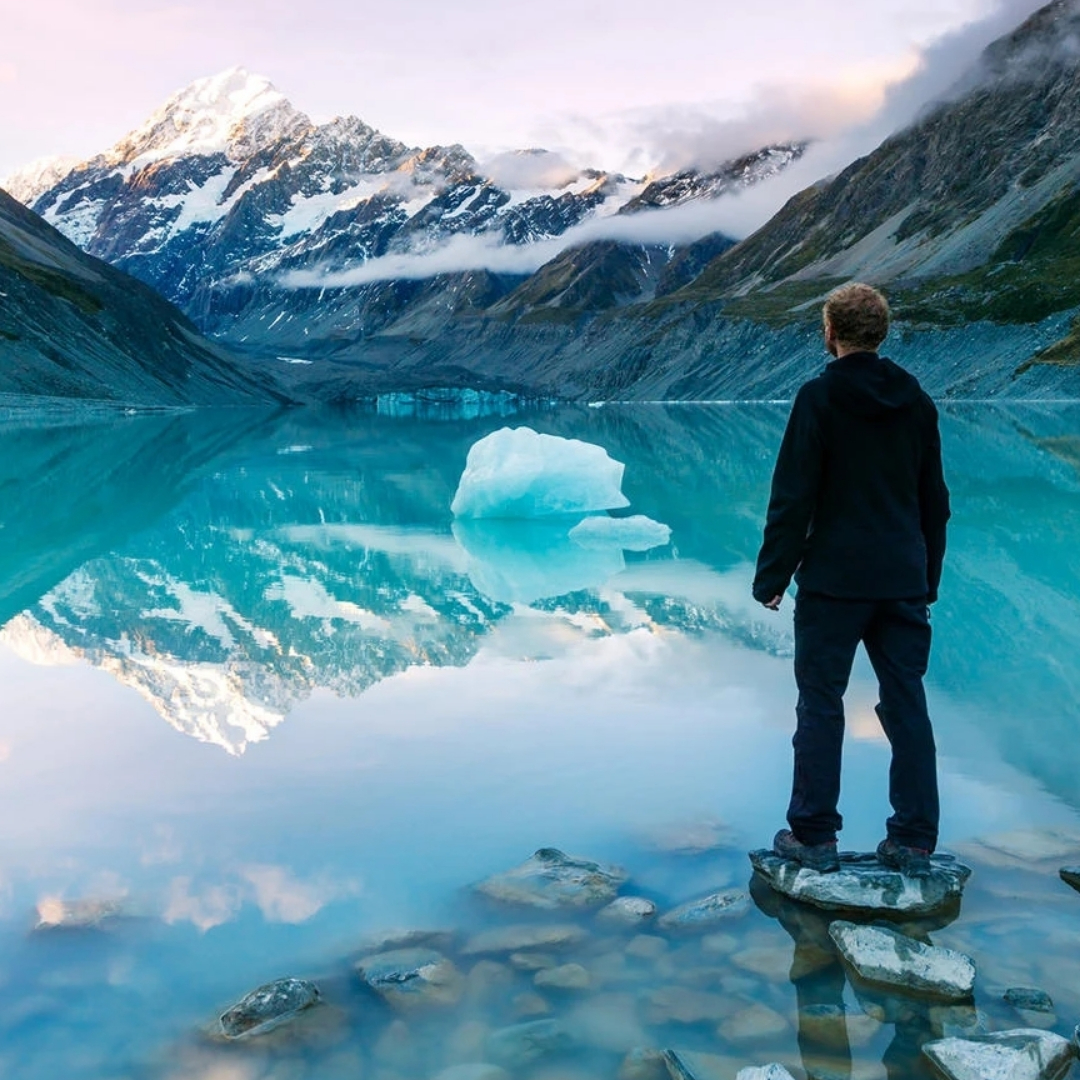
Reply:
x=262, y=704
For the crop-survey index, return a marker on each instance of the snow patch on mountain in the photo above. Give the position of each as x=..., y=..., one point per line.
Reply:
x=32, y=181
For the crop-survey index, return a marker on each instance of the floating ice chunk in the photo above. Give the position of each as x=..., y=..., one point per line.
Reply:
x=518, y=473
x=637, y=533
x=520, y=562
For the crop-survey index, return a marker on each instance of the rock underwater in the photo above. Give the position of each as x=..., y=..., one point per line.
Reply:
x=552, y=880
x=862, y=884
x=268, y=1007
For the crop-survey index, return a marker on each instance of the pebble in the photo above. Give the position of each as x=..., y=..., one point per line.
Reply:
x=753, y=1023
x=268, y=1007
x=566, y=977
x=628, y=911
x=646, y=947
x=516, y=939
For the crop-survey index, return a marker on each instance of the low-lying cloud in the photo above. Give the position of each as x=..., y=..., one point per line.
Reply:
x=844, y=122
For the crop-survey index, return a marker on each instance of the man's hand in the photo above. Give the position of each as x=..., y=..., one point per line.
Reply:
x=774, y=603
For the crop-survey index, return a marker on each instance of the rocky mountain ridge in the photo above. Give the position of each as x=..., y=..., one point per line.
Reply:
x=245, y=213
x=72, y=326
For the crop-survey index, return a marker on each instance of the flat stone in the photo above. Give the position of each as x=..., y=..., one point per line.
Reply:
x=268, y=1007
x=888, y=958
x=514, y=939
x=863, y=884
x=773, y=962
x=407, y=978
x=753, y=1023
x=1028, y=999
x=765, y=1072
x=628, y=911
x=564, y=977
x=521, y=1045
x=1024, y=1054
x=1071, y=876
x=643, y=1063
x=707, y=913
x=647, y=947
x=721, y=944
x=683, y=1005
x=553, y=880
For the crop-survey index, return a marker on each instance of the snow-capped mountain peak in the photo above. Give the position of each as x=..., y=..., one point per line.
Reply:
x=31, y=181
x=234, y=113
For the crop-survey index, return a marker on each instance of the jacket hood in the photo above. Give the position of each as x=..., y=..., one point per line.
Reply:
x=868, y=385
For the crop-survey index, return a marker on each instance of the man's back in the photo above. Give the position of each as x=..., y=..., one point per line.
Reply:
x=859, y=501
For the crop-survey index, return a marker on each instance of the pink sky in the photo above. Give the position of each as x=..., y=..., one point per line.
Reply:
x=598, y=79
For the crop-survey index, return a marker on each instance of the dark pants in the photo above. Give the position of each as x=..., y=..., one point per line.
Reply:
x=896, y=634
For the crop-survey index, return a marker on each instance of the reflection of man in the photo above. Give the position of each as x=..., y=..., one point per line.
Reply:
x=857, y=515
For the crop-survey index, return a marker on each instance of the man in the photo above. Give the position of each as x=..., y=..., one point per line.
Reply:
x=857, y=515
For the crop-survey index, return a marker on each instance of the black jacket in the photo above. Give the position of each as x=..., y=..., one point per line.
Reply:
x=859, y=503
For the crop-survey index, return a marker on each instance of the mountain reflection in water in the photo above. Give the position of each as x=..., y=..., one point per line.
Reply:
x=226, y=566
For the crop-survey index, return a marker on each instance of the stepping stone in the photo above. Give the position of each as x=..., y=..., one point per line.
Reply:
x=268, y=1007
x=707, y=913
x=888, y=958
x=1024, y=1054
x=407, y=978
x=552, y=880
x=862, y=884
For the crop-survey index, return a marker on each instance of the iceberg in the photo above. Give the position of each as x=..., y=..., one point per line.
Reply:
x=637, y=533
x=521, y=562
x=519, y=473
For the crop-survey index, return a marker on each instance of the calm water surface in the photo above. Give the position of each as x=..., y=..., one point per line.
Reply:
x=262, y=699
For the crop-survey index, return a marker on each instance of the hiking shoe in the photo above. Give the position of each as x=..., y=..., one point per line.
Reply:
x=913, y=862
x=819, y=857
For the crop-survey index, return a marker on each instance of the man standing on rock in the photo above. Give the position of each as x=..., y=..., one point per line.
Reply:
x=857, y=515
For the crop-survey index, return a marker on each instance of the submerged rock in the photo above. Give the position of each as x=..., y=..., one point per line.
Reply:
x=707, y=913
x=643, y=1063
x=889, y=958
x=477, y=1070
x=89, y=914
x=753, y=1023
x=521, y=1045
x=765, y=1072
x=695, y=1065
x=863, y=884
x=520, y=938
x=682, y=1005
x=1071, y=876
x=268, y=1007
x=1024, y=1054
x=566, y=977
x=551, y=879
x=407, y=978
x=1029, y=1000
x=628, y=911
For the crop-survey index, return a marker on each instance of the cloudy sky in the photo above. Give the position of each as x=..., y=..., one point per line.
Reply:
x=622, y=85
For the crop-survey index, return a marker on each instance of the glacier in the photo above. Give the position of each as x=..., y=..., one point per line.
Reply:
x=519, y=473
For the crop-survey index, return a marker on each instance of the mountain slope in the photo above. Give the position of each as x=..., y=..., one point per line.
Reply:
x=262, y=225
x=72, y=326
